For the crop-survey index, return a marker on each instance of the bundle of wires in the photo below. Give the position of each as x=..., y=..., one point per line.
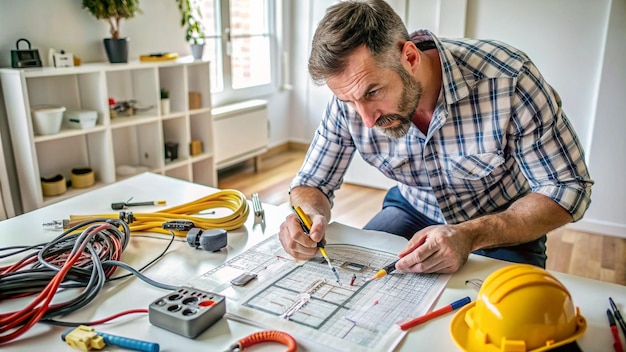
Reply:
x=152, y=222
x=75, y=259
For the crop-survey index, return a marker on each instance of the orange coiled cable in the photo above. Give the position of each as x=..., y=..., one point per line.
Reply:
x=269, y=336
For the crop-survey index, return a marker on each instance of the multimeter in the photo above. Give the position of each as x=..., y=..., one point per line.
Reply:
x=23, y=58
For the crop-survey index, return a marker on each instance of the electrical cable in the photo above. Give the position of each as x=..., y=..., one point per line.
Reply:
x=152, y=222
x=151, y=262
x=265, y=336
x=95, y=322
x=141, y=276
x=84, y=259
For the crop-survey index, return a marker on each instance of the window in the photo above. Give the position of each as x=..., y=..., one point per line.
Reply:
x=239, y=44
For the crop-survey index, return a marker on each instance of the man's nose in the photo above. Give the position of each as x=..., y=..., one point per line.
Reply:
x=369, y=115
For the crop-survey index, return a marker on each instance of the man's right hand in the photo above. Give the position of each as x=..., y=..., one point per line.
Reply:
x=297, y=243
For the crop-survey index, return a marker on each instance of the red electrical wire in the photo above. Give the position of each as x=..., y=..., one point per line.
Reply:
x=14, y=324
x=18, y=265
x=59, y=259
x=115, y=316
x=32, y=313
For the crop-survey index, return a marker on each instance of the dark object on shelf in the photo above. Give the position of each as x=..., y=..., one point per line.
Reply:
x=117, y=50
x=171, y=151
x=23, y=58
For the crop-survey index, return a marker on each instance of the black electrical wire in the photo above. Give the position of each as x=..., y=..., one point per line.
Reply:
x=45, y=260
x=152, y=261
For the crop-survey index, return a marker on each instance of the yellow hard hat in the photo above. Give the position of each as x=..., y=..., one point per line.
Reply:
x=519, y=308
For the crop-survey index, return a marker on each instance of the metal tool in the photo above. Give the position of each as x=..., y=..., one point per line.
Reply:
x=259, y=213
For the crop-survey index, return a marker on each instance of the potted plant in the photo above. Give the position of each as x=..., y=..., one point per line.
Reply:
x=191, y=19
x=113, y=11
x=165, y=101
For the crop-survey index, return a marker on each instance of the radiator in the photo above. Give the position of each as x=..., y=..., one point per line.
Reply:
x=240, y=131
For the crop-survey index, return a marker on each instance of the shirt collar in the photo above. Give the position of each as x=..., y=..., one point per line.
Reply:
x=454, y=85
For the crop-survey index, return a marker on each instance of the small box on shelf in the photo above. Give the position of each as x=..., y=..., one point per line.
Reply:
x=195, y=147
x=195, y=100
x=81, y=119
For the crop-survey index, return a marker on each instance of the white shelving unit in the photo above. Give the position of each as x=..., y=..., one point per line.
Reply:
x=137, y=141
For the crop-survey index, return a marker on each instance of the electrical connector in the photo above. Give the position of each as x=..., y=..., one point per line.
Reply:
x=86, y=338
x=56, y=224
x=83, y=338
x=127, y=217
x=178, y=225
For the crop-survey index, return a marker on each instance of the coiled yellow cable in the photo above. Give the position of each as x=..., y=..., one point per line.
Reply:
x=152, y=222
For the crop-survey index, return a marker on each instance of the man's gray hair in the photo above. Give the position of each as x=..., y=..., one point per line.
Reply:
x=350, y=24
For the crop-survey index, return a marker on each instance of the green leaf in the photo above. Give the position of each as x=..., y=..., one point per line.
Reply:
x=112, y=11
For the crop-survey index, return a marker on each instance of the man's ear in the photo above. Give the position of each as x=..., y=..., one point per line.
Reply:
x=410, y=57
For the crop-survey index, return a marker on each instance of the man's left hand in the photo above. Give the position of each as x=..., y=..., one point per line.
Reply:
x=443, y=250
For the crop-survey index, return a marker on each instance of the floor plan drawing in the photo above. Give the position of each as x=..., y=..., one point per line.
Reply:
x=305, y=299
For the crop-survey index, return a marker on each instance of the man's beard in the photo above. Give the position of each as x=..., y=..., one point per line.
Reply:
x=411, y=95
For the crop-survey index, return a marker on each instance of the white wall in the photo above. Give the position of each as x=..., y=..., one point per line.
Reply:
x=578, y=45
x=606, y=157
x=565, y=41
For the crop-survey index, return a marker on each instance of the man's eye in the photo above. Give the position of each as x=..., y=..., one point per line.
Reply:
x=372, y=94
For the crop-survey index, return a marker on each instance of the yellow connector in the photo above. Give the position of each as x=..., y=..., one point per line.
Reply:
x=84, y=338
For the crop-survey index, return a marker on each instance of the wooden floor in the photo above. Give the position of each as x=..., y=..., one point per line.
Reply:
x=577, y=253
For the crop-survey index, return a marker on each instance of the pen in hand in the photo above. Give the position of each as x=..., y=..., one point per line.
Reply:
x=389, y=268
x=384, y=271
x=305, y=223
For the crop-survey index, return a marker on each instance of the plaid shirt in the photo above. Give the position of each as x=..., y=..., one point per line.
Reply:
x=497, y=133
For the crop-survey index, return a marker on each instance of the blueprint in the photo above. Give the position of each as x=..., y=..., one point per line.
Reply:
x=304, y=298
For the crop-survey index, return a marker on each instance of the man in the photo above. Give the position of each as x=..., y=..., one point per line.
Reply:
x=485, y=158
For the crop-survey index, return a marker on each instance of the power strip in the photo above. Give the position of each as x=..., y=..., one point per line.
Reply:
x=187, y=311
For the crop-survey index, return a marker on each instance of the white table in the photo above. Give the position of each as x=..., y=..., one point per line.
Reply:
x=183, y=263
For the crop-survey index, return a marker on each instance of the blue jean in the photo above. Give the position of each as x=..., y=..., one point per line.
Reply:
x=398, y=217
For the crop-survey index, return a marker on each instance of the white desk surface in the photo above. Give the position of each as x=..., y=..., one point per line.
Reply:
x=182, y=263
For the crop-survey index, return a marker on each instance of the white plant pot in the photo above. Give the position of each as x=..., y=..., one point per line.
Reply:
x=165, y=106
x=197, y=51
